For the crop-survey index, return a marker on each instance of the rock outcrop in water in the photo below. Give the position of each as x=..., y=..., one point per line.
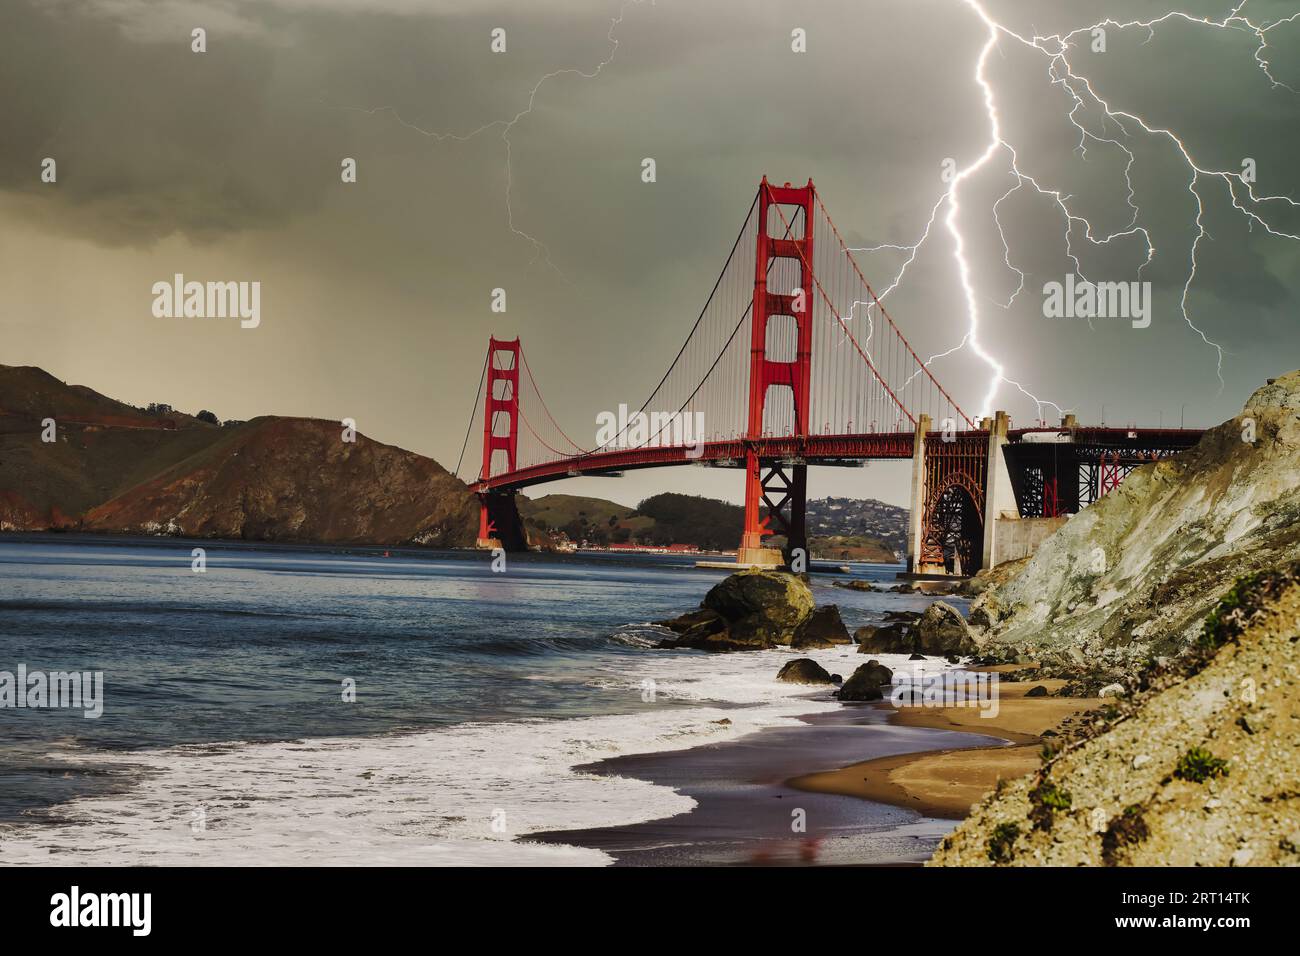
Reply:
x=1135, y=574
x=940, y=631
x=803, y=670
x=1199, y=770
x=822, y=628
x=749, y=610
x=866, y=683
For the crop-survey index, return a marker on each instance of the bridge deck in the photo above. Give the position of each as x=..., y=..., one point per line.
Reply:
x=817, y=449
x=813, y=449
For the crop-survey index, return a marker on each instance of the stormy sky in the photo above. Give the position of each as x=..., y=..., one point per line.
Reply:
x=375, y=300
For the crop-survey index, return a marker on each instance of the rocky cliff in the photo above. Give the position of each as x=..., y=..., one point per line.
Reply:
x=1135, y=574
x=1199, y=770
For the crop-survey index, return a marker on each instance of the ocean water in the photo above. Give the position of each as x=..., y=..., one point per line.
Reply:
x=226, y=736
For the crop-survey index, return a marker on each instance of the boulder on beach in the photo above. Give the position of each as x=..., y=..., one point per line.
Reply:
x=942, y=631
x=750, y=610
x=822, y=628
x=894, y=638
x=781, y=599
x=866, y=682
x=804, y=670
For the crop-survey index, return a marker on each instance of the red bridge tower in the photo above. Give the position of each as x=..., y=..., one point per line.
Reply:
x=779, y=485
x=499, y=524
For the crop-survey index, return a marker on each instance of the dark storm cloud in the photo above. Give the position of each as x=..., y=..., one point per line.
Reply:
x=238, y=150
x=152, y=138
x=149, y=138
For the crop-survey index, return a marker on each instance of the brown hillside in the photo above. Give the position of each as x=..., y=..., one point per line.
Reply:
x=118, y=468
x=102, y=448
x=294, y=479
x=28, y=394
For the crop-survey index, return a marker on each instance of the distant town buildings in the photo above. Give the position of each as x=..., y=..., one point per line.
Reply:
x=858, y=516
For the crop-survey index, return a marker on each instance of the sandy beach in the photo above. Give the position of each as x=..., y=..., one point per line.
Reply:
x=745, y=807
x=874, y=784
x=944, y=783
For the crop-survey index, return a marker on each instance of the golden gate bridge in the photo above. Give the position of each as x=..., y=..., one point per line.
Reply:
x=794, y=361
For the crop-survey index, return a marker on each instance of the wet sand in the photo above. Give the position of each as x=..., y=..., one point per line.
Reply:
x=945, y=783
x=872, y=784
x=747, y=811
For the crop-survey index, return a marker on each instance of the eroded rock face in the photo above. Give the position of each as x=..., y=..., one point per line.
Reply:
x=1136, y=573
x=866, y=683
x=1196, y=770
x=822, y=628
x=804, y=670
x=749, y=610
x=943, y=631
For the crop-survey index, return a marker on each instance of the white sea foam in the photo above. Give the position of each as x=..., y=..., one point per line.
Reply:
x=422, y=798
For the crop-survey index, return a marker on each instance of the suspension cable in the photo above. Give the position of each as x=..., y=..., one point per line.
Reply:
x=835, y=312
x=470, y=427
x=881, y=306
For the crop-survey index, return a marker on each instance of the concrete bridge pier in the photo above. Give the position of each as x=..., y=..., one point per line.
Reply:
x=961, y=486
x=999, y=494
x=916, y=514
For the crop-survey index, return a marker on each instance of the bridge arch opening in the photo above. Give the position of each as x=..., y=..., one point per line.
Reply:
x=500, y=462
x=954, y=536
x=782, y=343
x=793, y=224
x=778, y=411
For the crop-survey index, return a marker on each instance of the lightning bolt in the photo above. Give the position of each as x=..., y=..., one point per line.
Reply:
x=1081, y=96
x=506, y=126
